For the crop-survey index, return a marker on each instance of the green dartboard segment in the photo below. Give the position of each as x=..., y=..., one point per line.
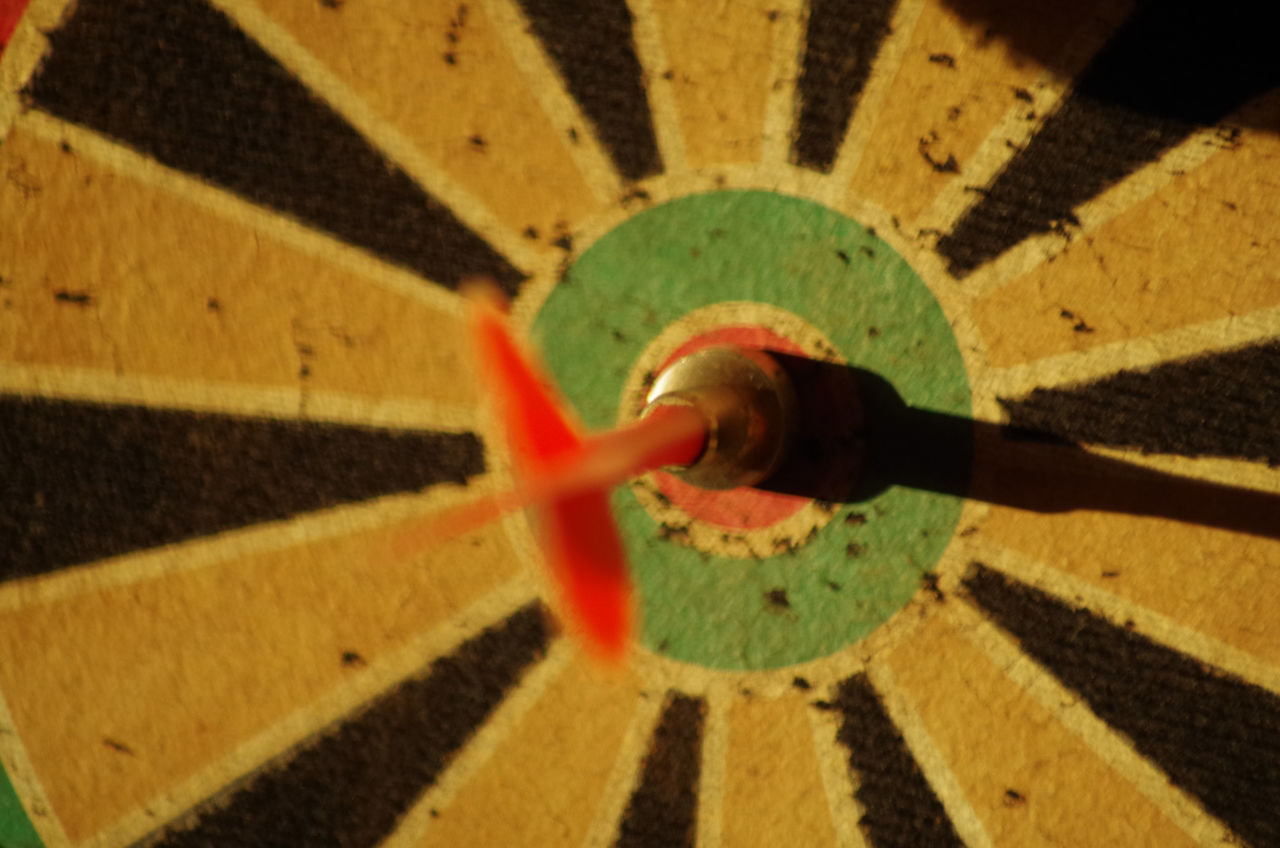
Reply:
x=849, y=284
x=15, y=828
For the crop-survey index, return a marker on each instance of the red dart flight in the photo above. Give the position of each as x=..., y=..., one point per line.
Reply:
x=565, y=476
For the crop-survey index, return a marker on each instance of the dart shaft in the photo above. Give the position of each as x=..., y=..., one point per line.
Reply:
x=669, y=436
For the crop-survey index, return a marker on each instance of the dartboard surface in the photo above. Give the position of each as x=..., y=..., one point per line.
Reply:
x=1022, y=256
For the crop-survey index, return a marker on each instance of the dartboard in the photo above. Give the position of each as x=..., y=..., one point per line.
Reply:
x=1022, y=257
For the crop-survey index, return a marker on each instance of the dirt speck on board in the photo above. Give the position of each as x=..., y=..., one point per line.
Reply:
x=1023, y=95
x=78, y=298
x=1228, y=137
x=941, y=166
x=777, y=599
x=454, y=34
x=929, y=581
x=351, y=659
x=853, y=550
x=116, y=745
x=856, y=519
x=673, y=532
x=842, y=256
x=564, y=238
x=531, y=233
x=1014, y=798
x=634, y=195
x=801, y=684
x=944, y=59
x=1079, y=324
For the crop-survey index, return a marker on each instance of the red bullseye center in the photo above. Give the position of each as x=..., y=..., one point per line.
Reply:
x=742, y=508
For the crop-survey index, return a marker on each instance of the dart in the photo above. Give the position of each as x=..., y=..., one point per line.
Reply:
x=719, y=419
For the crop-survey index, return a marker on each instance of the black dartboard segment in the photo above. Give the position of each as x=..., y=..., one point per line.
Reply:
x=592, y=46
x=1215, y=735
x=841, y=44
x=349, y=787
x=664, y=805
x=900, y=808
x=180, y=82
x=86, y=481
x=1172, y=67
x=1222, y=404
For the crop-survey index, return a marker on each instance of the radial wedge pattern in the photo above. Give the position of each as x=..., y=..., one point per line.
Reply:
x=1018, y=266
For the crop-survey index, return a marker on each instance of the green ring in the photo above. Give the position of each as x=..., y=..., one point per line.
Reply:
x=800, y=256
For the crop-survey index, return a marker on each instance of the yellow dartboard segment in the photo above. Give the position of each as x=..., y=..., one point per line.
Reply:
x=155, y=285
x=994, y=737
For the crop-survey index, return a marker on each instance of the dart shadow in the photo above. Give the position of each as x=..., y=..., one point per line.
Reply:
x=1184, y=62
x=857, y=438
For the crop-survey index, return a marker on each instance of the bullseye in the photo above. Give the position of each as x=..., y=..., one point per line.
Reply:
x=740, y=508
x=697, y=271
